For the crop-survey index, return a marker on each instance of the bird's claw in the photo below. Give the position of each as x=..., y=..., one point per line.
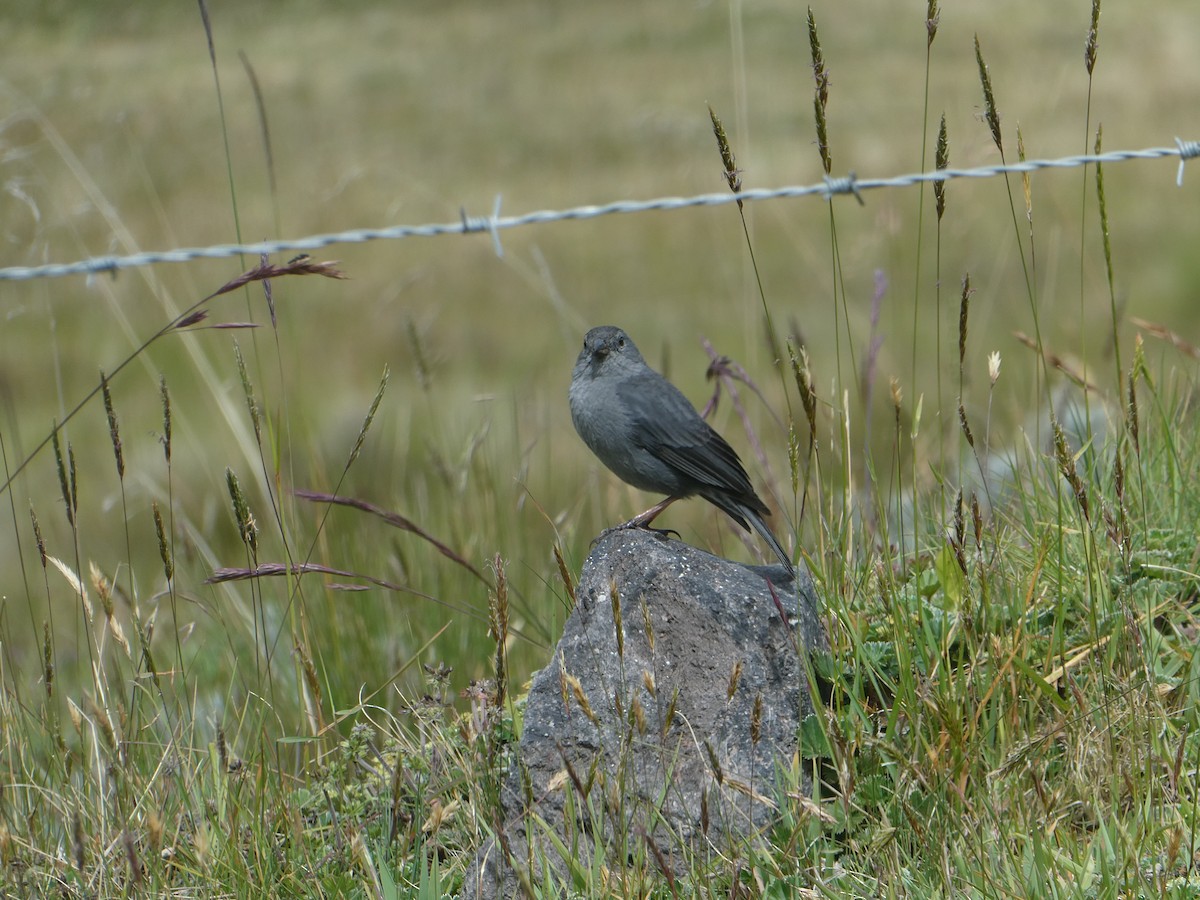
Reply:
x=661, y=533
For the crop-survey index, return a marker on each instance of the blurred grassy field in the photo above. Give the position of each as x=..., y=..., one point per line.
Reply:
x=380, y=114
x=1035, y=668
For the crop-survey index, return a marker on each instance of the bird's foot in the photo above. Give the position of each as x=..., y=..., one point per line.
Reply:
x=661, y=533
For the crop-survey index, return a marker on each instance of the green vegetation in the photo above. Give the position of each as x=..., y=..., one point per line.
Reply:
x=217, y=681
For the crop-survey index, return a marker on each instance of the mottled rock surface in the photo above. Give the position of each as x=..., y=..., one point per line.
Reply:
x=641, y=728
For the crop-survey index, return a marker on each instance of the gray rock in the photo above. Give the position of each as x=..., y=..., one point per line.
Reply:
x=636, y=740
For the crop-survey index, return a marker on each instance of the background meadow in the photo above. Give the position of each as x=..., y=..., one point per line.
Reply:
x=114, y=139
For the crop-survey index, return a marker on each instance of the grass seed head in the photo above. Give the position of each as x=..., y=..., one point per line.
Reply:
x=647, y=624
x=77, y=842
x=941, y=161
x=1092, y=46
x=166, y=407
x=37, y=534
x=114, y=432
x=964, y=424
x=733, y=175
x=989, y=99
x=247, y=528
x=61, y=465
x=821, y=95
x=47, y=660
x=964, y=307
x=1131, y=407
x=756, y=717
x=735, y=676
x=615, y=594
x=564, y=575
x=648, y=683
x=164, y=550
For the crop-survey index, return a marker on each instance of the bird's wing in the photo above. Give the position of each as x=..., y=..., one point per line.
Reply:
x=668, y=426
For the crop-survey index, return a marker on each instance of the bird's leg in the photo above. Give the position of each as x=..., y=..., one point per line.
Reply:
x=643, y=520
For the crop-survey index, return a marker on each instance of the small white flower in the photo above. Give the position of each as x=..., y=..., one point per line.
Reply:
x=994, y=365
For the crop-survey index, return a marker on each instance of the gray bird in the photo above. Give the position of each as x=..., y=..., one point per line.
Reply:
x=644, y=429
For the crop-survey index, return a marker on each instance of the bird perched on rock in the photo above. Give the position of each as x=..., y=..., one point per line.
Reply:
x=644, y=429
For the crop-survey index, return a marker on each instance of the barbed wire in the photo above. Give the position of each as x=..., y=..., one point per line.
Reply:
x=495, y=223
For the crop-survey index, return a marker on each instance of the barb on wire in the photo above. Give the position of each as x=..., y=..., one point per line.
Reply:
x=471, y=225
x=495, y=223
x=847, y=185
x=1187, y=150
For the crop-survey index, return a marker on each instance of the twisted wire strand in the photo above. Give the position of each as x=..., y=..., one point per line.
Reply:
x=495, y=223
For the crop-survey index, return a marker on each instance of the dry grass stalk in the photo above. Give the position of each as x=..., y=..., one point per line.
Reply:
x=76, y=584
x=103, y=590
x=395, y=520
x=581, y=699
x=649, y=684
x=166, y=408
x=639, y=715
x=248, y=392
x=1093, y=39
x=564, y=575
x=77, y=842
x=1057, y=362
x=735, y=676
x=47, y=660
x=310, y=678
x=247, y=527
x=369, y=418
x=1117, y=525
x=647, y=624
x=941, y=161
x=421, y=365
x=660, y=860
x=1066, y=465
x=102, y=719
x=1107, y=242
x=718, y=772
x=802, y=372
x=756, y=717
x=65, y=486
x=963, y=308
x=135, y=865
x=1131, y=408
x=989, y=99
x=1026, y=184
x=733, y=175
x=959, y=533
x=669, y=717
x=1165, y=334
x=37, y=535
x=897, y=397
x=615, y=594
x=821, y=97
x=164, y=550
x=964, y=424
x=498, y=626
x=297, y=265
x=114, y=432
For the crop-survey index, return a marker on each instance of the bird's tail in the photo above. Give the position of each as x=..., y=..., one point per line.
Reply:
x=769, y=536
x=747, y=516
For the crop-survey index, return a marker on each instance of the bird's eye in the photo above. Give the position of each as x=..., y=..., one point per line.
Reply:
x=620, y=343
